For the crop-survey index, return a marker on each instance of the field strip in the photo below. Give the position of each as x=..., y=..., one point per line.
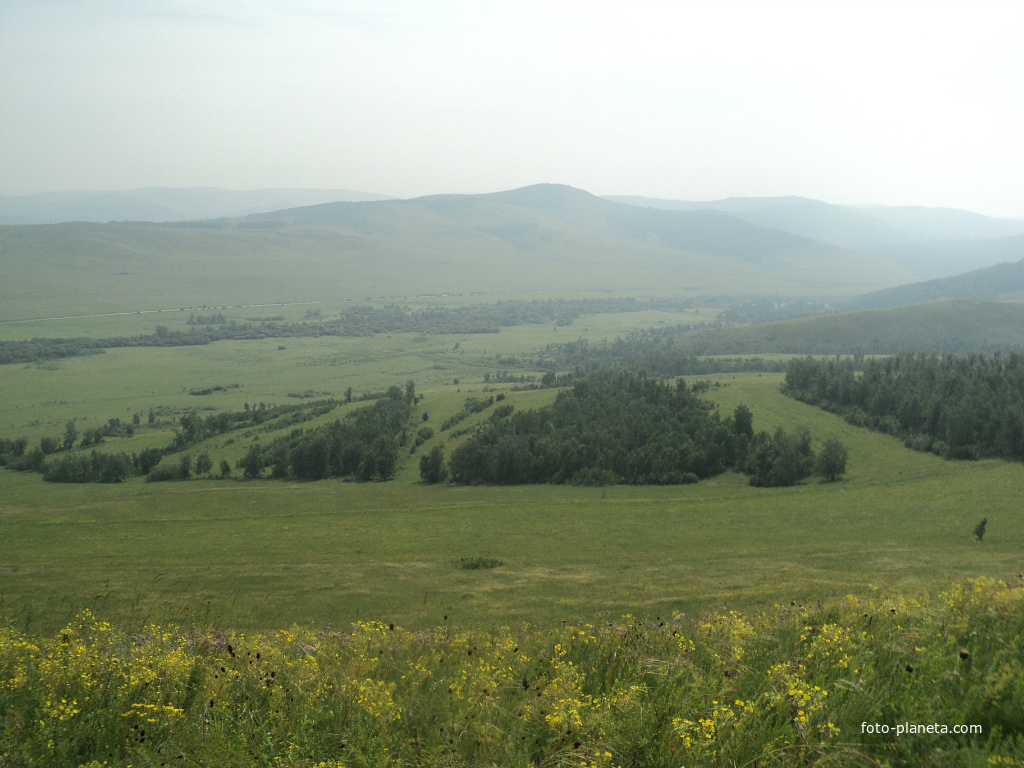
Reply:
x=157, y=311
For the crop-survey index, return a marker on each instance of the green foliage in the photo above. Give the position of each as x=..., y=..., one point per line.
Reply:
x=70, y=435
x=979, y=529
x=781, y=459
x=473, y=405
x=93, y=468
x=743, y=420
x=478, y=563
x=794, y=686
x=659, y=351
x=354, y=321
x=610, y=427
x=252, y=464
x=944, y=327
x=364, y=445
x=960, y=407
x=204, y=464
x=831, y=463
x=432, y=466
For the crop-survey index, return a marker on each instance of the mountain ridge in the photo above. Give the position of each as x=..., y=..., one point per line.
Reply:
x=934, y=242
x=537, y=238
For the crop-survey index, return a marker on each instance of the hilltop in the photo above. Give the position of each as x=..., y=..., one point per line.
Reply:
x=544, y=238
x=1003, y=282
x=161, y=204
x=935, y=242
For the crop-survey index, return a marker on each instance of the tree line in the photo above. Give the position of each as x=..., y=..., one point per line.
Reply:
x=362, y=446
x=355, y=321
x=618, y=427
x=655, y=350
x=58, y=461
x=960, y=407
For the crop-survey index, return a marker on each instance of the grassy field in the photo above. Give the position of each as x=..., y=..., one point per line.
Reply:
x=266, y=554
x=552, y=625
x=270, y=553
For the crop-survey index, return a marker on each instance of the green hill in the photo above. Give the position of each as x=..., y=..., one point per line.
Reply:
x=1003, y=282
x=934, y=242
x=546, y=238
x=945, y=327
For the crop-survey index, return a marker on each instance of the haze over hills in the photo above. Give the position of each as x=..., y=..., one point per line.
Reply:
x=956, y=326
x=1003, y=282
x=544, y=238
x=160, y=204
x=935, y=242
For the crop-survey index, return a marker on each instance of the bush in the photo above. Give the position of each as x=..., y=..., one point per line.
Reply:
x=781, y=459
x=164, y=472
x=432, y=466
x=831, y=464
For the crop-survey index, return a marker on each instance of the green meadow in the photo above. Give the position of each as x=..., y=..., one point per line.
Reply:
x=331, y=624
x=269, y=553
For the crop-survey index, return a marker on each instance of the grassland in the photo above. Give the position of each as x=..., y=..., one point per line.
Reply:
x=267, y=554
x=226, y=561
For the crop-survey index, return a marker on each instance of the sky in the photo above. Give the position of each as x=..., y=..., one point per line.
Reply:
x=893, y=103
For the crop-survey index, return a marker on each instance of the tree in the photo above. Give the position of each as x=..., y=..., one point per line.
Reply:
x=185, y=466
x=252, y=463
x=781, y=459
x=831, y=463
x=70, y=434
x=203, y=463
x=743, y=421
x=378, y=463
x=432, y=467
x=225, y=469
x=979, y=529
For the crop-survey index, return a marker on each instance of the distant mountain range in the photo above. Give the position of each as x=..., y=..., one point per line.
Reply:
x=160, y=204
x=543, y=238
x=933, y=242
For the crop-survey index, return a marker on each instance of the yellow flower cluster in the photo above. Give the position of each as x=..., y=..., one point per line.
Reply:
x=375, y=698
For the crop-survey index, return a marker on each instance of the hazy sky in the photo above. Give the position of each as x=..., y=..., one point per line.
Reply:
x=849, y=102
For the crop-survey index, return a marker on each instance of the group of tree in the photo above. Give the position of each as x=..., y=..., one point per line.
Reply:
x=611, y=427
x=57, y=459
x=784, y=459
x=363, y=446
x=354, y=321
x=957, y=407
x=659, y=351
x=621, y=427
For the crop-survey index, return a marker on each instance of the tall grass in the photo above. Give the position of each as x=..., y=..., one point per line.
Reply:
x=788, y=686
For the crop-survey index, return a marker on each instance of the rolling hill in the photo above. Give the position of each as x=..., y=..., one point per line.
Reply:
x=935, y=242
x=944, y=327
x=162, y=204
x=1003, y=282
x=545, y=238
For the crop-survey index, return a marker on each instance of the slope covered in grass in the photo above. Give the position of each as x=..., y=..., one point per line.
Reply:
x=936, y=680
x=541, y=239
x=943, y=327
